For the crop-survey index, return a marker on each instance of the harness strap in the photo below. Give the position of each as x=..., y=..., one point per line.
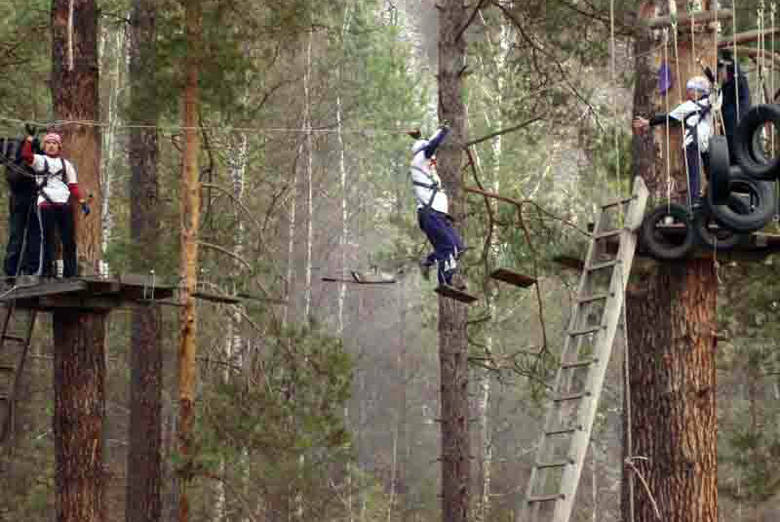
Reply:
x=432, y=186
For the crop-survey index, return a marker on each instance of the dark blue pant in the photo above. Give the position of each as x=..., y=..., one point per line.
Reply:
x=60, y=217
x=23, y=218
x=695, y=168
x=445, y=240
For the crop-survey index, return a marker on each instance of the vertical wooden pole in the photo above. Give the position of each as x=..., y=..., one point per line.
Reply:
x=190, y=219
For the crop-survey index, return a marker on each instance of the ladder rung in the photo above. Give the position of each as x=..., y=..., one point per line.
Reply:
x=14, y=338
x=546, y=498
x=556, y=464
x=579, y=364
x=617, y=202
x=606, y=264
x=563, y=431
x=571, y=396
x=594, y=297
x=7, y=368
x=585, y=331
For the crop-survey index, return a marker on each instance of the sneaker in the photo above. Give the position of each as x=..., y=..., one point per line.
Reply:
x=458, y=282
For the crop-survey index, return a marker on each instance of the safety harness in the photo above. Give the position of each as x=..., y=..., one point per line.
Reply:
x=49, y=175
x=433, y=186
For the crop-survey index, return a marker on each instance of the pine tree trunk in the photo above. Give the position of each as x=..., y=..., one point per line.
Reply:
x=79, y=333
x=144, y=465
x=79, y=405
x=453, y=343
x=190, y=214
x=671, y=324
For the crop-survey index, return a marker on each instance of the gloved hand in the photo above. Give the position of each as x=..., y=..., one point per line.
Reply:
x=84, y=207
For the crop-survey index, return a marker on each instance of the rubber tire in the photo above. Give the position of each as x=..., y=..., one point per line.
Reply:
x=731, y=238
x=746, y=154
x=662, y=251
x=719, y=169
x=762, y=212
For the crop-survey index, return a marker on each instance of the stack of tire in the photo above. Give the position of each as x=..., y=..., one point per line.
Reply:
x=740, y=198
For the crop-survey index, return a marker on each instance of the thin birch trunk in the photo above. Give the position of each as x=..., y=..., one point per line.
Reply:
x=106, y=219
x=309, y=171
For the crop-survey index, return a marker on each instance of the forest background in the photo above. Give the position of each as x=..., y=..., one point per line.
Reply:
x=304, y=171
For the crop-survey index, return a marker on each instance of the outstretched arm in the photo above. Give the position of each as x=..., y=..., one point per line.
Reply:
x=435, y=141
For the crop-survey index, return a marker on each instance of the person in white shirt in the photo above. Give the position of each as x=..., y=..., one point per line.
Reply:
x=695, y=114
x=432, y=210
x=56, y=181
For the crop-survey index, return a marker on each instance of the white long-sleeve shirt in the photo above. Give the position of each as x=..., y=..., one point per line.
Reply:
x=427, y=185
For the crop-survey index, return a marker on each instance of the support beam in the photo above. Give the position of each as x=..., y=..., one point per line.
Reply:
x=701, y=17
x=747, y=36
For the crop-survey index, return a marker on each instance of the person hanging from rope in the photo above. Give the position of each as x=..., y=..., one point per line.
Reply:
x=432, y=210
x=696, y=117
x=57, y=182
x=736, y=95
x=23, y=251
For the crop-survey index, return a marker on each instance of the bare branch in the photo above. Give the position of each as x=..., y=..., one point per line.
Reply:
x=504, y=131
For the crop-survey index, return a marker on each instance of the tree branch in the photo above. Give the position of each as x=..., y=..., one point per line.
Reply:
x=504, y=131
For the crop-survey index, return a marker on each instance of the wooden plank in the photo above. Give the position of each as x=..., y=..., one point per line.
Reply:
x=684, y=20
x=570, y=262
x=513, y=278
x=45, y=288
x=448, y=291
x=747, y=36
x=217, y=298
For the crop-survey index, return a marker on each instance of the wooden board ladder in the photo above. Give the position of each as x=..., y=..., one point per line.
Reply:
x=583, y=364
x=14, y=347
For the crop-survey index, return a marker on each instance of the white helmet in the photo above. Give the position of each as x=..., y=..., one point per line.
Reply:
x=699, y=84
x=419, y=145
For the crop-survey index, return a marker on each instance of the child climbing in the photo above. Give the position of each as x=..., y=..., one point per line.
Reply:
x=696, y=117
x=432, y=210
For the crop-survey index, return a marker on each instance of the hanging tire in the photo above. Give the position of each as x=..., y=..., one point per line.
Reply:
x=758, y=204
x=719, y=169
x=749, y=151
x=667, y=232
x=711, y=234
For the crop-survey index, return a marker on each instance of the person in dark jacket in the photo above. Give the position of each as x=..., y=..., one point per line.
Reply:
x=23, y=251
x=736, y=96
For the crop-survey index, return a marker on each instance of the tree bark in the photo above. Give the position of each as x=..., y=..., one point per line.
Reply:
x=79, y=333
x=671, y=325
x=144, y=466
x=453, y=343
x=190, y=220
x=79, y=405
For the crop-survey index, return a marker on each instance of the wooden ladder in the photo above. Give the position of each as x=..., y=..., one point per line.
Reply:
x=13, y=354
x=586, y=351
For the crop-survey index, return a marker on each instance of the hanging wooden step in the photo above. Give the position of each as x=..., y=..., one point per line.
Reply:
x=511, y=277
x=684, y=20
x=454, y=293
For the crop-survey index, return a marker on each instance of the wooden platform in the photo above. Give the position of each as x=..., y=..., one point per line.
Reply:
x=85, y=292
x=758, y=246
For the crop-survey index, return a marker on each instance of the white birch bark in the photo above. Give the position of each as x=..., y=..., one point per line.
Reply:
x=309, y=179
x=108, y=136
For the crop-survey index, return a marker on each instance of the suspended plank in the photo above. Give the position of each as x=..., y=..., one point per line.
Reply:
x=362, y=278
x=453, y=293
x=747, y=36
x=685, y=19
x=511, y=277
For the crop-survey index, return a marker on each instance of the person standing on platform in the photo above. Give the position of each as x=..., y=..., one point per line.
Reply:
x=57, y=182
